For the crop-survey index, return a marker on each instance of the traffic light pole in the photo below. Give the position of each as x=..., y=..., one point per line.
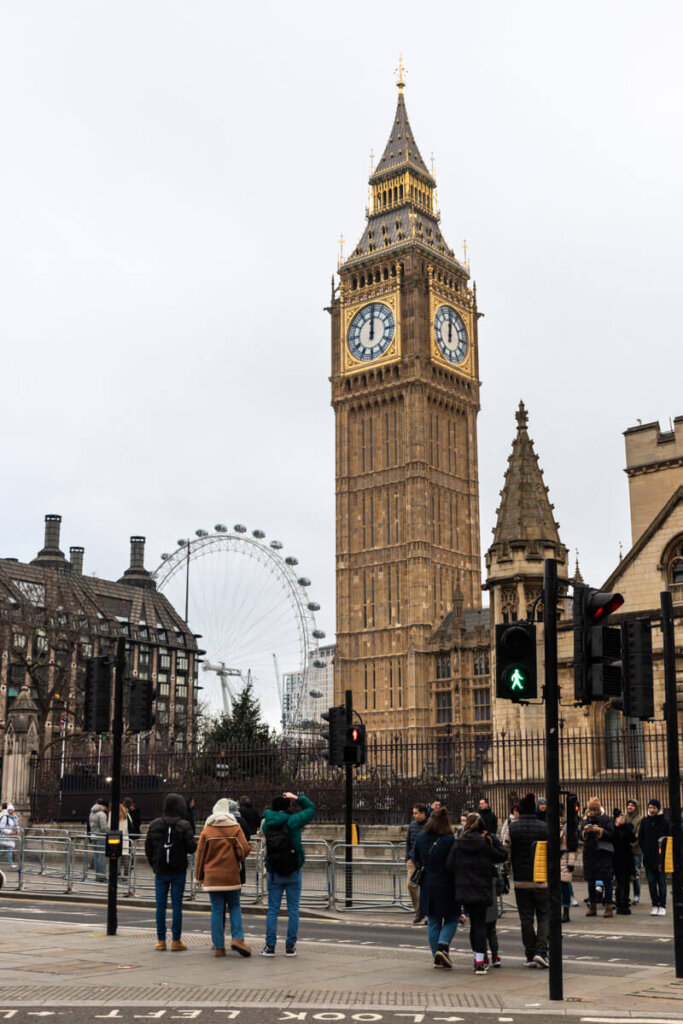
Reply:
x=117, y=734
x=671, y=717
x=552, y=778
x=348, y=849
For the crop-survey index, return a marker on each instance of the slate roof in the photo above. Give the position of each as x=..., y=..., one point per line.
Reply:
x=525, y=512
x=401, y=152
x=404, y=224
x=110, y=602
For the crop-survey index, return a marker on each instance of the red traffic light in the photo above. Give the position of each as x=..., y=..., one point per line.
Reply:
x=354, y=734
x=601, y=604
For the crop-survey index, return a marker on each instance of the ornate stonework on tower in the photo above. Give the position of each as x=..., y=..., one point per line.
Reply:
x=525, y=535
x=405, y=391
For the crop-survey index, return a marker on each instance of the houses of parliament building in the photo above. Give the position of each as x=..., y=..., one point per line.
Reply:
x=413, y=640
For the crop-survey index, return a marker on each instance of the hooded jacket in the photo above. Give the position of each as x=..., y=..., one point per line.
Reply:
x=222, y=848
x=471, y=860
x=174, y=814
x=634, y=821
x=98, y=820
x=295, y=822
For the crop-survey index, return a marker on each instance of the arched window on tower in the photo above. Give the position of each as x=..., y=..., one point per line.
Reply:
x=508, y=605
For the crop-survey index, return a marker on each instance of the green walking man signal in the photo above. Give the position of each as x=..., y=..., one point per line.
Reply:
x=516, y=661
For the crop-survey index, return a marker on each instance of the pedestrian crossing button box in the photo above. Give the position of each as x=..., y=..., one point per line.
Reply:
x=113, y=845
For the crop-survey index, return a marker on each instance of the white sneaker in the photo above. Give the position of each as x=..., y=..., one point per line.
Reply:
x=636, y=899
x=654, y=911
x=661, y=911
x=574, y=902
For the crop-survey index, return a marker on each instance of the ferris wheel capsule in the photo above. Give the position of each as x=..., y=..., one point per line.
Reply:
x=239, y=528
x=181, y=542
x=319, y=663
x=304, y=581
x=220, y=528
x=277, y=544
x=313, y=606
x=319, y=634
x=165, y=556
x=259, y=534
x=291, y=560
x=202, y=533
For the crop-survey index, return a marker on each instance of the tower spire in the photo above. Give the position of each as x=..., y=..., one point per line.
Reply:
x=525, y=512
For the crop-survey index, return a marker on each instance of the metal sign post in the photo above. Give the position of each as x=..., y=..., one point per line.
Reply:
x=552, y=778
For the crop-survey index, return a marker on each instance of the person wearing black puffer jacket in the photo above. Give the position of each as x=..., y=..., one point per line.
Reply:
x=531, y=897
x=168, y=861
x=471, y=861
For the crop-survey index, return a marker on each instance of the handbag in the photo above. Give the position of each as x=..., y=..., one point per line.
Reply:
x=418, y=875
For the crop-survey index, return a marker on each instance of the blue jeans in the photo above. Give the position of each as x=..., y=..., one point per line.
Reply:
x=176, y=883
x=638, y=862
x=440, y=931
x=219, y=901
x=7, y=851
x=656, y=881
x=98, y=858
x=291, y=886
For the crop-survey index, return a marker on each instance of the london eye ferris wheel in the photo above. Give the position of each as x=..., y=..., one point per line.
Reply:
x=252, y=609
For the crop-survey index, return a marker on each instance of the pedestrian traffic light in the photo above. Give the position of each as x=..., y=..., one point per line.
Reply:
x=597, y=647
x=355, y=745
x=97, y=695
x=516, y=661
x=142, y=694
x=335, y=734
x=637, y=696
x=573, y=809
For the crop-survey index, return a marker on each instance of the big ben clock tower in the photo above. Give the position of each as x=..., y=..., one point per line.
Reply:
x=405, y=391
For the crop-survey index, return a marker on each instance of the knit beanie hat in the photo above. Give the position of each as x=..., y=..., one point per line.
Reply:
x=527, y=805
x=655, y=803
x=594, y=804
x=221, y=806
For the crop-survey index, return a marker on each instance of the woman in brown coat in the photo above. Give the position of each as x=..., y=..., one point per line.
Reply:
x=222, y=848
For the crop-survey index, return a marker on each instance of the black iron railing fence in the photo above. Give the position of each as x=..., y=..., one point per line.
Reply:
x=457, y=770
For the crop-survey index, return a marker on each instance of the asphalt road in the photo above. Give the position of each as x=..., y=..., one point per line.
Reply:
x=213, y=1015
x=595, y=948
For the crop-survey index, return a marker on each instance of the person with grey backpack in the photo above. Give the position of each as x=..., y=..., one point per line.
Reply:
x=170, y=841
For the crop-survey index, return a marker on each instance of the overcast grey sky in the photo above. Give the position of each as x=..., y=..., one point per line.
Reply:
x=174, y=179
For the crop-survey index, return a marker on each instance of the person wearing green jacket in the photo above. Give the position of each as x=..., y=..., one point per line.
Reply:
x=284, y=860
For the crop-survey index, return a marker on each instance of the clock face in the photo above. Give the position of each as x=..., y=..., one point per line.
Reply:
x=371, y=331
x=451, y=334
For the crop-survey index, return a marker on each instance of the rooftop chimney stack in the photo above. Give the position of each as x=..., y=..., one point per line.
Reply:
x=137, y=575
x=50, y=555
x=76, y=559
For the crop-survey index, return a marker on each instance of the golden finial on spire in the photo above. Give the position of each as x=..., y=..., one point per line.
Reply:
x=465, y=250
x=340, y=258
x=372, y=160
x=400, y=71
x=432, y=163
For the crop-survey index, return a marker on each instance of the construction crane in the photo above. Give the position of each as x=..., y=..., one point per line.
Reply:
x=225, y=674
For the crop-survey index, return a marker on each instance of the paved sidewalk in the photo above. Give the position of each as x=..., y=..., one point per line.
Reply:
x=56, y=964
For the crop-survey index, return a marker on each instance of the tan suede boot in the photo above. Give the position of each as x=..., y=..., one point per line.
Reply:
x=161, y=945
x=592, y=910
x=177, y=945
x=608, y=912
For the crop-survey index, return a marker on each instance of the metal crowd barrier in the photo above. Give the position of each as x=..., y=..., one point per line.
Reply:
x=55, y=860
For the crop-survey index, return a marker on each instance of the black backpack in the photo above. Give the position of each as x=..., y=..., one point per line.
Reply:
x=280, y=853
x=170, y=857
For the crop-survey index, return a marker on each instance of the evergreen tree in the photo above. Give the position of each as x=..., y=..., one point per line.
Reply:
x=243, y=726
